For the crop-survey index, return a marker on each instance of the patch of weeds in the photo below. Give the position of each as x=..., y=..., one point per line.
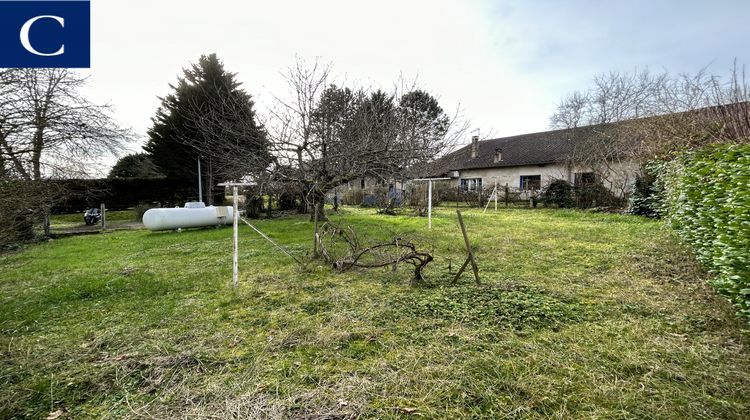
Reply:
x=314, y=306
x=360, y=346
x=317, y=287
x=275, y=300
x=512, y=308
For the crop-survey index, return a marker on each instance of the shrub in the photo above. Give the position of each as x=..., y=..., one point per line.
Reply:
x=287, y=201
x=416, y=196
x=22, y=205
x=458, y=195
x=595, y=195
x=375, y=197
x=353, y=197
x=648, y=192
x=708, y=199
x=253, y=203
x=558, y=193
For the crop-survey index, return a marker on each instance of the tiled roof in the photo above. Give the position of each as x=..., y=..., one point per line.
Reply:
x=525, y=149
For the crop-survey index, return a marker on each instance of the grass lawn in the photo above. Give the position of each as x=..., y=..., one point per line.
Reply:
x=580, y=315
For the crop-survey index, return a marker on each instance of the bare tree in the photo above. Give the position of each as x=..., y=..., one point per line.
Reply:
x=626, y=119
x=327, y=135
x=321, y=135
x=47, y=128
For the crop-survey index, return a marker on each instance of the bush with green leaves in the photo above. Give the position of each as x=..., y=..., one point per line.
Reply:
x=647, y=198
x=558, y=193
x=708, y=200
x=595, y=195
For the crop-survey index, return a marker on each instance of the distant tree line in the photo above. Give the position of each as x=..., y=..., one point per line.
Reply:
x=320, y=136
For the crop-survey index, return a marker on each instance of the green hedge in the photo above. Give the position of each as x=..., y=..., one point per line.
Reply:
x=708, y=204
x=124, y=193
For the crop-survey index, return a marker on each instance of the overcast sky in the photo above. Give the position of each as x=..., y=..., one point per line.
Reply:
x=507, y=63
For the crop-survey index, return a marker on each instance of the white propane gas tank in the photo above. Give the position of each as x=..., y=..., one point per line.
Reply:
x=176, y=218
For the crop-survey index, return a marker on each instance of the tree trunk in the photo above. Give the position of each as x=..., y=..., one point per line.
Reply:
x=253, y=206
x=36, y=155
x=210, y=184
x=318, y=206
x=302, y=203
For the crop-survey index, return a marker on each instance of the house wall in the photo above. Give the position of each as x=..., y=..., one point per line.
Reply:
x=618, y=177
x=371, y=183
x=512, y=175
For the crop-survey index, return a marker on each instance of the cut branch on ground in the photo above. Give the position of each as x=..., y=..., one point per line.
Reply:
x=343, y=250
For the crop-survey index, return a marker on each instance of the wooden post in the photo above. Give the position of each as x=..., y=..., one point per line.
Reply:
x=103, y=211
x=235, y=247
x=235, y=227
x=46, y=223
x=496, y=193
x=470, y=257
x=315, y=230
x=429, y=204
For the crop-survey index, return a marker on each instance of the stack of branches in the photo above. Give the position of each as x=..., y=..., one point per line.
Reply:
x=342, y=248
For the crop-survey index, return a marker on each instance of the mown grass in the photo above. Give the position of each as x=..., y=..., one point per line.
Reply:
x=580, y=315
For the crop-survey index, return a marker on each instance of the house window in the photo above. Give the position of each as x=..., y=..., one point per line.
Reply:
x=584, y=178
x=531, y=182
x=362, y=183
x=471, y=184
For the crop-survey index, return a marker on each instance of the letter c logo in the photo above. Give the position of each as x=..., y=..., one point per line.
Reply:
x=25, y=35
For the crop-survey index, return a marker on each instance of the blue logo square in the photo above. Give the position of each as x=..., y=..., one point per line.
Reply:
x=45, y=34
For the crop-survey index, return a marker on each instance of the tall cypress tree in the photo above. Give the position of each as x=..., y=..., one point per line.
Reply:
x=208, y=117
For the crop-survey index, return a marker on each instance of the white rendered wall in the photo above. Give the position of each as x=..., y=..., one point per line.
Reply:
x=619, y=177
